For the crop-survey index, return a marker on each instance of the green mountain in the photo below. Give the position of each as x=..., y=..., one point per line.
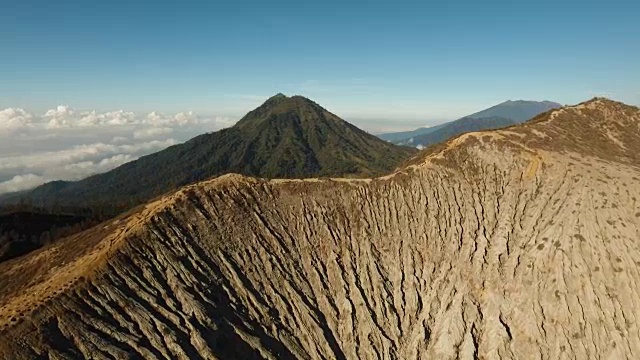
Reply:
x=286, y=137
x=403, y=135
x=505, y=114
x=458, y=127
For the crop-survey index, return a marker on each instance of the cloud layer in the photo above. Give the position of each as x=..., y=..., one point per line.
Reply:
x=69, y=144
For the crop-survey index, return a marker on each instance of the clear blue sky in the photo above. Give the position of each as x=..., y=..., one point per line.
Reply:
x=392, y=60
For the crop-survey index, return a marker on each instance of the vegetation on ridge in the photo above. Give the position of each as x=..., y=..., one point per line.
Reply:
x=286, y=137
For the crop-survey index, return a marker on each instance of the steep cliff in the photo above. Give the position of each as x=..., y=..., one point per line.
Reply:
x=519, y=243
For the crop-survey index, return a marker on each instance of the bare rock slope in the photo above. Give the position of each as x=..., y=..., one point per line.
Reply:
x=521, y=243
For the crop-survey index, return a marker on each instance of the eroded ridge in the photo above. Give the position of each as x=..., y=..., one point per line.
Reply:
x=490, y=248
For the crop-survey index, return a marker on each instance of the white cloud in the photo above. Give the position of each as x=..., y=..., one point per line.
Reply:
x=62, y=116
x=15, y=118
x=152, y=132
x=180, y=119
x=60, y=112
x=59, y=117
x=186, y=118
x=65, y=116
x=224, y=122
x=119, y=140
x=21, y=182
x=75, y=163
x=83, y=169
x=147, y=146
x=79, y=153
x=119, y=117
x=75, y=171
x=116, y=160
x=65, y=143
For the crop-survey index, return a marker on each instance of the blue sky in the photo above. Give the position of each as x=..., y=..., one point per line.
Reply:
x=393, y=61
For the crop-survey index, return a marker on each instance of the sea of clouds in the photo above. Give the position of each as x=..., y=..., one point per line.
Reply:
x=69, y=144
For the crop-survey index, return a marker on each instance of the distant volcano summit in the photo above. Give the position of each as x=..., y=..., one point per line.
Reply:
x=286, y=137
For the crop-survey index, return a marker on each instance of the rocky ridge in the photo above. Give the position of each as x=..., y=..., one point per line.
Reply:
x=517, y=243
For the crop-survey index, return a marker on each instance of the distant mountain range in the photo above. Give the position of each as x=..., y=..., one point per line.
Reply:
x=505, y=114
x=519, y=111
x=404, y=135
x=458, y=127
x=286, y=137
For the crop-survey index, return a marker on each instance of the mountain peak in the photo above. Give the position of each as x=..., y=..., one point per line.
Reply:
x=275, y=100
x=601, y=103
x=279, y=99
x=280, y=104
x=523, y=102
x=279, y=95
x=285, y=137
x=601, y=100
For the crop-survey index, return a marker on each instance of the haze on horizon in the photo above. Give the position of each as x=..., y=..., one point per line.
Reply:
x=391, y=60
x=140, y=76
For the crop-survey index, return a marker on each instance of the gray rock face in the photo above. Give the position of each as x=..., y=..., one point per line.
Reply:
x=515, y=244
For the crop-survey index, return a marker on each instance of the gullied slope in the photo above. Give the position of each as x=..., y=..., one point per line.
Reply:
x=506, y=244
x=286, y=137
